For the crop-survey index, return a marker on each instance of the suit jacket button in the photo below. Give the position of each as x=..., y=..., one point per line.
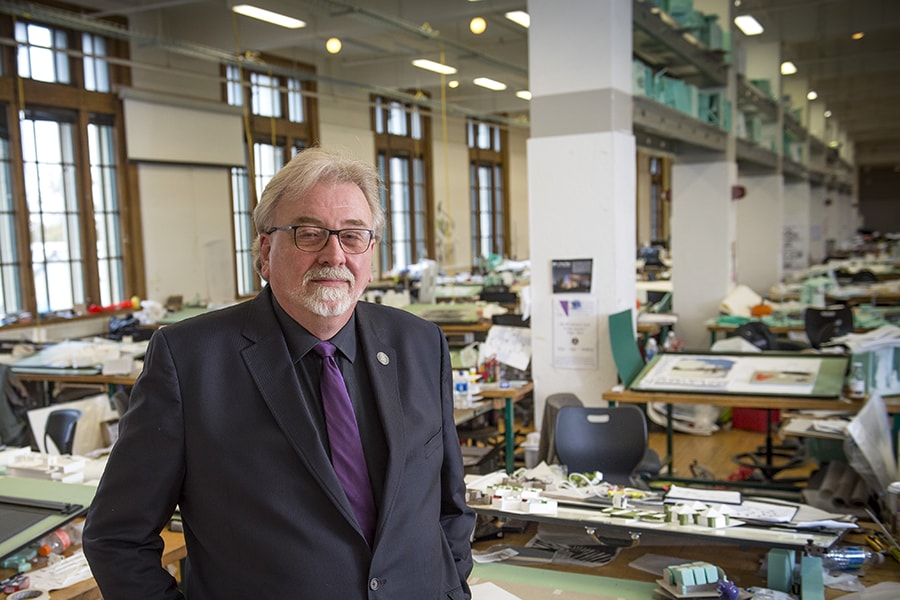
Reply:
x=374, y=584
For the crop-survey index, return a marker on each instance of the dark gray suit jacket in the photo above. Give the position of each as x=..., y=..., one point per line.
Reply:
x=216, y=424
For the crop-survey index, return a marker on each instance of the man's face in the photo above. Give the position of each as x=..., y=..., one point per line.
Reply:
x=326, y=283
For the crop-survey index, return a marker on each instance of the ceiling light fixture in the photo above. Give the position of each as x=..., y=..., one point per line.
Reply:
x=827, y=114
x=490, y=84
x=255, y=12
x=477, y=25
x=519, y=17
x=333, y=45
x=524, y=94
x=788, y=68
x=812, y=95
x=748, y=25
x=430, y=65
x=858, y=35
x=453, y=84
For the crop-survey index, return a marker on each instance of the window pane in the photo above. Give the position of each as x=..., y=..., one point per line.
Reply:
x=397, y=120
x=106, y=213
x=52, y=198
x=295, y=101
x=10, y=265
x=233, y=89
x=96, y=70
x=266, y=95
x=243, y=230
x=41, y=53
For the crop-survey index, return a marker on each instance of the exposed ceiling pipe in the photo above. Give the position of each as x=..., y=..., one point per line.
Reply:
x=62, y=18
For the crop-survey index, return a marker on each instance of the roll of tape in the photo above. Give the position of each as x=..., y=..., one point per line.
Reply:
x=29, y=595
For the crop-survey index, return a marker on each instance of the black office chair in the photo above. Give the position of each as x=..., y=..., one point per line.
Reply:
x=863, y=276
x=499, y=294
x=612, y=440
x=120, y=400
x=823, y=324
x=60, y=428
x=759, y=334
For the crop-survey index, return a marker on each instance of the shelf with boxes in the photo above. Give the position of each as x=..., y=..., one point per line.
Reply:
x=679, y=77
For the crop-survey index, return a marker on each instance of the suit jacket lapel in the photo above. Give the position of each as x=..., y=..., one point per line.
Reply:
x=381, y=362
x=269, y=363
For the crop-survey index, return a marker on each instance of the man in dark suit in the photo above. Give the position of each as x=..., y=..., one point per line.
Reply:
x=227, y=423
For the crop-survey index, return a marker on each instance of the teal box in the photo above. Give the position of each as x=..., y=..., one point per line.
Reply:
x=780, y=569
x=709, y=107
x=678, y=7
x=641, y=78
x=763, y=85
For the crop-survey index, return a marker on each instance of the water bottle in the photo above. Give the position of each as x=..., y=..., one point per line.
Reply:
x=857, y=382
x=651, y=349
x=850, y=558
x=461, y=389
x=61, y=540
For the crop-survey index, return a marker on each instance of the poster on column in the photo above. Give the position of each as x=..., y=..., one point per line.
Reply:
x=574, y=332
x=793, y=254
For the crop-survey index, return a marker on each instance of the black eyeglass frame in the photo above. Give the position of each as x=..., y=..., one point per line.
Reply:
x=331, y=232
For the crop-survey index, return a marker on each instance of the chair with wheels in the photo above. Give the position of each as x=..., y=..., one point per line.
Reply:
x=759, y=334
x=60, y=428
x=552, y=405
x=823, y=324
x=612, y=440
x=864, y=276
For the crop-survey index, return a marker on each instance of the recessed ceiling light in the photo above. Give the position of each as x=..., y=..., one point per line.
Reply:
x=524, y=94
x=748, y=25
x=477, y=25
x=858, y=35
x=453, y=83
x=430, y=65
x=519, y=17
x=490, y=84
x=827, y=114
x=255, y=12
x=812, y=95
x=788, y=68
x=333, y=45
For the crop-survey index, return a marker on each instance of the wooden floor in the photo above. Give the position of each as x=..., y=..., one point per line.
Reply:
x=714, y=453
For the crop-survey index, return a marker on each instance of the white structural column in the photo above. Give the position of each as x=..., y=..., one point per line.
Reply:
x=759, y=232
x=581, y=182
x=704, y=249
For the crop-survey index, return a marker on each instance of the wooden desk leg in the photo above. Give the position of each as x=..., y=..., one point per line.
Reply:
x=670, y=445
x=510, y=434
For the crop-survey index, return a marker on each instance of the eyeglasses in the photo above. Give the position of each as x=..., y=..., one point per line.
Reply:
x=312, y=239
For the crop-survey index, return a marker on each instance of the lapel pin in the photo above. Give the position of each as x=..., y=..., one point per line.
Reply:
x=383, y=358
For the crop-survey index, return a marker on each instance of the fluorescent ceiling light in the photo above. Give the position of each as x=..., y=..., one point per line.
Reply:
x=254, y=12
x=788, y=68
x=524, y=94
x=519, y=17
x=748, y=25
x=489, y=84
x=430, y=65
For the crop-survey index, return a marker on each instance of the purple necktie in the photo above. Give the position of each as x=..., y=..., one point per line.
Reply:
x=347, y=455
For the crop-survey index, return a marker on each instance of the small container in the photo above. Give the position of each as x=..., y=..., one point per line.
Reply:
x=856, y=384
x=893, y=500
